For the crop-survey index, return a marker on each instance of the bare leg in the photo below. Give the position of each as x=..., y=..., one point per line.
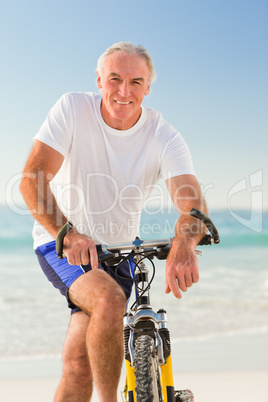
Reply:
x=104, y=300
x=76, y=382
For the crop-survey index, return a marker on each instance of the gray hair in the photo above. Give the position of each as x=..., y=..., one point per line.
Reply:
x=133, y=50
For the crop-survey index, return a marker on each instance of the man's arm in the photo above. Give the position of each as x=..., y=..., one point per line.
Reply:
x=42, y=165
x=182, y=263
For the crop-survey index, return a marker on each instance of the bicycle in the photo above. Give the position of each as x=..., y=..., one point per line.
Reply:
x=147, y=344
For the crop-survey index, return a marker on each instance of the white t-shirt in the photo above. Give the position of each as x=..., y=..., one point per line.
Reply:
x=107, y=174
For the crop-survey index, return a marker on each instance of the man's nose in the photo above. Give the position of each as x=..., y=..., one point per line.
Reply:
x=124, y=89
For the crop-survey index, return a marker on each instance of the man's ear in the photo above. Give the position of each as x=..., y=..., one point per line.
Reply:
x=147, y=90
x=99, y=85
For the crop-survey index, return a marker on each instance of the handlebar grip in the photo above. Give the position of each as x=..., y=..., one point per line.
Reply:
x=205, y=241
x=209, y=224
x=59, y=239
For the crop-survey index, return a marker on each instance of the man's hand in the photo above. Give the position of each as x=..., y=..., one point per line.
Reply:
x=80, y=249
x=181, y=267
x=182, y=263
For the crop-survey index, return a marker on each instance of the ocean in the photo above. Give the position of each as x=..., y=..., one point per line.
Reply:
x=230, y=299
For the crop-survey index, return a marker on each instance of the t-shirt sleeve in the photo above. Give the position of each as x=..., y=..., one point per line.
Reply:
x=57, y=129
x=176, y=158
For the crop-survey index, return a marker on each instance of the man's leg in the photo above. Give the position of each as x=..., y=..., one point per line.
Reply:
x=76, y=382
x=104, y=300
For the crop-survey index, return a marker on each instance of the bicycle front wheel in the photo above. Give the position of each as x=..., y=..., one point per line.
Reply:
x=148, y=385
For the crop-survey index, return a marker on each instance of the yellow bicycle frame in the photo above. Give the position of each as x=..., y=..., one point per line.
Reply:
x=167, y=380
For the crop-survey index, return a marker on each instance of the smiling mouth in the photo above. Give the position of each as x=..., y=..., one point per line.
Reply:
x=122, y=103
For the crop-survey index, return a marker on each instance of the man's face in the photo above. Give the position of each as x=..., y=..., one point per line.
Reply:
x=124, y=83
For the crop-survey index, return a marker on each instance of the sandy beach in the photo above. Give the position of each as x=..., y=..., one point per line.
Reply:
x=218, y=369
x=232, y=386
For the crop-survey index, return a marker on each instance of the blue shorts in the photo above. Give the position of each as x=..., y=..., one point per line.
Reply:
x=61, y=274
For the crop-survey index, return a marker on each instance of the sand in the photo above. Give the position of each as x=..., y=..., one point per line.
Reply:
x=218, y=369
x=231, y=386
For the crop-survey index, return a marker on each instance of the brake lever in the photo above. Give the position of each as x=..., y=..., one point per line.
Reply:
x=107, y=257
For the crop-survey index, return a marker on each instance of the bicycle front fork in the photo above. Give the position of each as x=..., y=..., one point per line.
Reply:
x=143, y=321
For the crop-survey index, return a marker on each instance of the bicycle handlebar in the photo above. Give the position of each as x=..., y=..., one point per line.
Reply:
x=158, y=248
x=112, y=254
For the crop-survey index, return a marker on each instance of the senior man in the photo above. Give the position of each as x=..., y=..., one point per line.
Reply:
x=94, y=161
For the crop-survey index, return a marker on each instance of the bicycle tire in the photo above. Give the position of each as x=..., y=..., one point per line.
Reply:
x=148, y=386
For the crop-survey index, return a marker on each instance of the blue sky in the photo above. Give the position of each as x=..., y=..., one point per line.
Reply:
x=211, y=60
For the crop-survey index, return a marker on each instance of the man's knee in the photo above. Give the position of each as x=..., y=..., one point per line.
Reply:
x=76, y=365
x=111, y=303
x=99, y=295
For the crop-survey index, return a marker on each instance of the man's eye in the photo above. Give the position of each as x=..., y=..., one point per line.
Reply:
x=137, y=82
